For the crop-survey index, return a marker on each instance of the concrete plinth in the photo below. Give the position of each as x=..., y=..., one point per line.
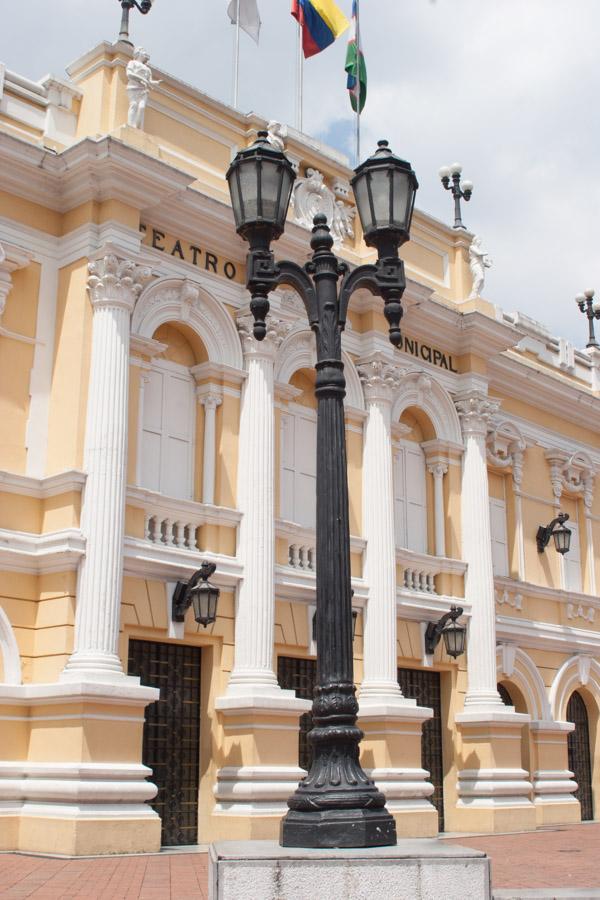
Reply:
x=418, y=869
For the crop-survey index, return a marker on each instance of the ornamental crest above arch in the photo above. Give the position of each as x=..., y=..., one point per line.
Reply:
x=182, y=300
x=420, y=389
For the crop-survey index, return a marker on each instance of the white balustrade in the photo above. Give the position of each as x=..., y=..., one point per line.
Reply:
x=421, y=570
x=302, y=556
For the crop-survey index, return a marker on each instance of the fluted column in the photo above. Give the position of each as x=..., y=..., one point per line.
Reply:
x=210, y=401
x=438, y=470
x=113, y=286
x=475, y=411
x=252, y=672
x=380, y=381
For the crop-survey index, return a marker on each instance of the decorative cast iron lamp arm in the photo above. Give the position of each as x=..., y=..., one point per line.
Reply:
x=434, y=630
x=545, y=532
x=385, y=279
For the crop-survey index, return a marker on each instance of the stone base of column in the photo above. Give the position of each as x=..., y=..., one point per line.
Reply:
x=391, y=755
x=71, y=777
x=494, y=791
x=553, y=784
x=258, y=765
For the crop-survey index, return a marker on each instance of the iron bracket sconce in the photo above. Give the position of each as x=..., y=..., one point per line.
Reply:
x=435, y=630
x=545, y=532
x=188, y=592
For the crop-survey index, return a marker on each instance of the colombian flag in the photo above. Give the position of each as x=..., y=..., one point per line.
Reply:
x=321, y=21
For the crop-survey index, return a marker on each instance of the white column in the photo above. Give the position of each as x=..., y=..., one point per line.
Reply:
x=380, y=381
x=438, y=470
x=210, y=401
x=475, y=411
x=113, y=286
x=252, y=675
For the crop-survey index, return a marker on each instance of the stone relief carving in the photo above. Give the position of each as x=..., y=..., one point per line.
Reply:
x=578, y=611
x=479, y=261
x=505, y=448
x=572, y=474
x=312, y=196
x=507, y=598
x=139, y=85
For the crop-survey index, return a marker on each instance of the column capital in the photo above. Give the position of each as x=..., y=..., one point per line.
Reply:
x=116, y=282
x=380, y=379
x=277, y=331
x=437, y=469
x=475, y=411
x=209, y=399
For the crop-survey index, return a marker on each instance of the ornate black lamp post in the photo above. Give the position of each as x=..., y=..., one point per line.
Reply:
x=336, y=805
x=144, y=6
x=586, y=305
x=459, y=191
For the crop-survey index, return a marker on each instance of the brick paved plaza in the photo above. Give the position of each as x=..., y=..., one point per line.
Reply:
x=564, y=857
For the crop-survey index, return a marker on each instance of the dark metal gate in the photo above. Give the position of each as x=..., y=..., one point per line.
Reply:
x=300, y=675
x=172, y=733
x=579, y=754
x=424, y=687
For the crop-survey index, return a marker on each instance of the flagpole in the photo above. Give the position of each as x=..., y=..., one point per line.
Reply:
x=236, y=59
x=358, y=84
x=299, y=80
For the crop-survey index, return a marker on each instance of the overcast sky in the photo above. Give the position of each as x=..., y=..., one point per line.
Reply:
x=510, y=88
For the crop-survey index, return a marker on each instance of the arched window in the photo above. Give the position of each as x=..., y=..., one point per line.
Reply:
x=168, y=429
x=410, y=496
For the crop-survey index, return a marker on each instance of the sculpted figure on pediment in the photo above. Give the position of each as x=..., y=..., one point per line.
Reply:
x=139, y=85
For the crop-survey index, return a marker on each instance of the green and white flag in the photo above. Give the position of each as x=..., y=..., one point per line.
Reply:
x=356, y=66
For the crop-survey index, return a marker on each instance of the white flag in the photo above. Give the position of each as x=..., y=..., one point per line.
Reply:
x=249, y=16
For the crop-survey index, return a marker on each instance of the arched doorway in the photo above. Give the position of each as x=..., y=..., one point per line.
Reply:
x=579, y=754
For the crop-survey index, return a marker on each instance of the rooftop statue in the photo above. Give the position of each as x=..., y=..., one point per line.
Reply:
x=139, y=85
x=479, y=261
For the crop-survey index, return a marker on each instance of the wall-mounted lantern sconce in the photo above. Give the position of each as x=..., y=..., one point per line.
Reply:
x=199, y=593
x=453, y=633
x=314, y=624
x=557, y=530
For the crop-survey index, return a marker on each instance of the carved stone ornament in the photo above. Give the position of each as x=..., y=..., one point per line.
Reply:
x=277, y=133
x=507, y=598
x=312, y=196
x=116, y=282
x=380, y=379
x=479, y=261
x=505, y=448
x=475, y=411
x=139, y=85
x=578, y=611
x=574, y=474
x=277, y=331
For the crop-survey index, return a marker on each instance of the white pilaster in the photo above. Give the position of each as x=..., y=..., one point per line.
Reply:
x=380, y=381
x=252, y=678
x=144, y=376
x=588, y=499
x=210, y=401
x=438, y=470
x=475, y=411
x=113, y=286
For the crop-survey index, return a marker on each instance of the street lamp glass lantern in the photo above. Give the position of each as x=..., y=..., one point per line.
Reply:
x=205, y=597
x=562, y=539
x=260, y=182
x=385, y=187
x=454, y=638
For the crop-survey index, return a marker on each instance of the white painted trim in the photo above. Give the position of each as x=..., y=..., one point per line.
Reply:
x=54, y=551
x=42, y=488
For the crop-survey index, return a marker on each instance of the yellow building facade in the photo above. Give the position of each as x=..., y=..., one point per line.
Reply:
x=144, y=430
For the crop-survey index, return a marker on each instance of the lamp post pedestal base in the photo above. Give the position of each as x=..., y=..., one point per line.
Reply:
x=413, y=870
x=347, y=828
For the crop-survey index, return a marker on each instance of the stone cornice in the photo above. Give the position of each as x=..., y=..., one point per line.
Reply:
x=42, y=488
x=89, y=170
